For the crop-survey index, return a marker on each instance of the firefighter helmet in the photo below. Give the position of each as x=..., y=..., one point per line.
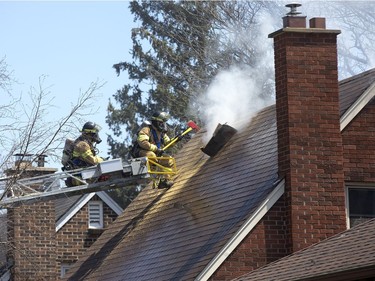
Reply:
x=160, y=116
x=159, y=120
x=91, y=130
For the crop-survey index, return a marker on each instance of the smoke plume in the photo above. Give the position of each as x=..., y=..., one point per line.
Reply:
x=237, y=93
x=232, y=96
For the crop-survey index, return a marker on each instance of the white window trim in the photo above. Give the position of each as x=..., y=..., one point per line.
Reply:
x=98, y=204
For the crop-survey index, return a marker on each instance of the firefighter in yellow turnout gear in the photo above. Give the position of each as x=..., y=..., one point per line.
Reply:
x=151, y=139
x=84, y=152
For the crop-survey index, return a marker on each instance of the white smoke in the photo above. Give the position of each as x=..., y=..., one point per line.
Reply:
x=232, y=96
x=236, y=93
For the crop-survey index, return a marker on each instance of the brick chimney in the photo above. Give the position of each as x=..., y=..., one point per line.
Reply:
x=308, y=121
x=31, y=229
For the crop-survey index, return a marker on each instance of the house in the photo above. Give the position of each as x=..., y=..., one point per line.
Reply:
x=298, y=174
x=46, y=237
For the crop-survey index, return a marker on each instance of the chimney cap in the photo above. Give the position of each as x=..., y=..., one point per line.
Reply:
x=293, y=8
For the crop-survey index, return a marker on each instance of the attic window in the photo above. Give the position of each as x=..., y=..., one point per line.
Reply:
x=95, y=214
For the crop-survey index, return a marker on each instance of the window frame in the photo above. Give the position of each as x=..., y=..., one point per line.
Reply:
x=354, y=186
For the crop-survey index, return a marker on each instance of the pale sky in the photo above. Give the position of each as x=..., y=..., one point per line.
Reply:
x=72, y=43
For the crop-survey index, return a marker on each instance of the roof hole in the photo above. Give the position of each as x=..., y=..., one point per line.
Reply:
x=221, y=135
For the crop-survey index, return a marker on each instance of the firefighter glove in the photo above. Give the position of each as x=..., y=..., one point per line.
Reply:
x=159, y=152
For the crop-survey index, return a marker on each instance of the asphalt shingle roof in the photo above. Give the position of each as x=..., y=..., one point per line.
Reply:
x=353, y=87
x=62, y=205
x=331, y=259
x=174, y=234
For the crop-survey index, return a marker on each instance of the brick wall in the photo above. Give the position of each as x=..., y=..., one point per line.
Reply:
x=74, y=237
x=359, y=146
x=31, y=241
x=309, y=137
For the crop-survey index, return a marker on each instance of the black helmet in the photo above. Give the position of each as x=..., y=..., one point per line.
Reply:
x=92, y=130
x=159, y=120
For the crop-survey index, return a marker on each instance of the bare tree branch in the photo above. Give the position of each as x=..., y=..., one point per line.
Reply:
x=36, y=134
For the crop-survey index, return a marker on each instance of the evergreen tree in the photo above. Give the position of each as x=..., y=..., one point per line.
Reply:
x=177, y=50
x=168, y=66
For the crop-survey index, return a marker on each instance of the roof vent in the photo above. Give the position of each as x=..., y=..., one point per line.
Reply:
x=221, y=136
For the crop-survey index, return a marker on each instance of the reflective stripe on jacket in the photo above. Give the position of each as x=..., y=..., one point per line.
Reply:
x=85, y=152
x=146, y=139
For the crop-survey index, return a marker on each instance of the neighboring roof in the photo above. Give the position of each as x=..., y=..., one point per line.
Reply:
x=175, y=234
x=63, y=204
x=67, y=207
x=345, y=256
x=355, y=93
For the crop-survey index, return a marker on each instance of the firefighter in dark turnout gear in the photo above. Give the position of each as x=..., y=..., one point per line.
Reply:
x=151, y=139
